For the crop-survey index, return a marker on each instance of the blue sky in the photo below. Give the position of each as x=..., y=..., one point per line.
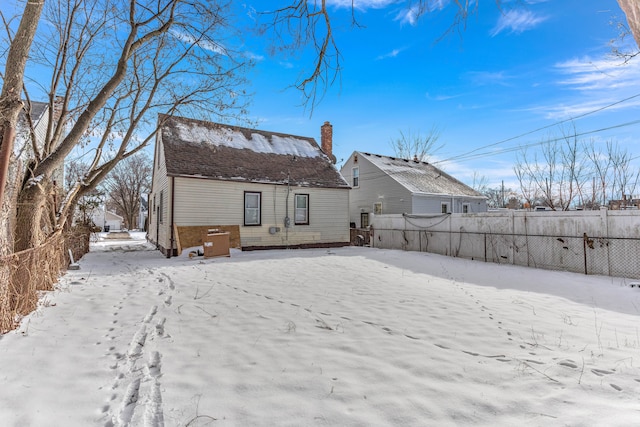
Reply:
x=507, y=74
x=502, y=82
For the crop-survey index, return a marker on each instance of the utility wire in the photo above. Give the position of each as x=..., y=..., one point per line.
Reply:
x=468, y=155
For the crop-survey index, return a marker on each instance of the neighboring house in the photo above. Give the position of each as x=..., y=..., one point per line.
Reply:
x=277, y=190
x=23, y=147
x=143, y=213
x=22, y=155
x=625, y=203
x=389, y=185
x=106, y=220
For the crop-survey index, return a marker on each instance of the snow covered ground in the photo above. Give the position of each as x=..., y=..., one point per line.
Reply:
x=340, y=337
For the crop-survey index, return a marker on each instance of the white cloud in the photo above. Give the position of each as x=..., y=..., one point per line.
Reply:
x=441, y=97
x=597, y=83
x=392, y=54
x=596, y=74
x=484, y=78
x=412, y=14
x=204, y=44
x=253, y=56
x=517, y=21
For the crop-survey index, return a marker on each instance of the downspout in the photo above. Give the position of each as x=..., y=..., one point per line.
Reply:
x=287, y=220
x=171, y=240
x=157, y=227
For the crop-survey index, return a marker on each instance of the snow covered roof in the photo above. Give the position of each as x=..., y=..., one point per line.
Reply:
x=213, y=150
x=37, y=111
x=420, y=177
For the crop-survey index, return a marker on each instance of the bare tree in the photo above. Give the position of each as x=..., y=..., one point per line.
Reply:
x=494, y=197
x=10, y=97
x=169, y=57
x=305, y=23
x=480, y=183
x=631, y=9
x=416, y=146
x=613, y=177
x=126, y=183
x=554, y=175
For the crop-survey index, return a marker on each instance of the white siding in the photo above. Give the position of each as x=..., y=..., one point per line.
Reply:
x=375, y=186
x=207, y=202
x=159, y=233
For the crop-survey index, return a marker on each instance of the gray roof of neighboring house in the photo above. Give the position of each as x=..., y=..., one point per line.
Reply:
x=420, y=177
x=231, y=153
x=38, y=109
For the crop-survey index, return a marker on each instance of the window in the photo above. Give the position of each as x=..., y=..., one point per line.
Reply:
x=252, y=205
x=465, y=208
x=161, y=208
x=445, y=208
x=377, y=208
x=302, y=209
x=356, y=177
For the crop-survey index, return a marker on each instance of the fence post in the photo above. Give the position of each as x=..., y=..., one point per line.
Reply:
x=584, y=251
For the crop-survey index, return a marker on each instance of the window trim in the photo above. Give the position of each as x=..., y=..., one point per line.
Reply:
x=295, y=209
x=355, y=177
x=466, y=206
x=244, y=210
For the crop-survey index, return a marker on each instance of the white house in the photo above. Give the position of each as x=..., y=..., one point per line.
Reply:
x=143, y=213
x=107, y=220
x=31, y=131
x=277, y=190
x=389, y=185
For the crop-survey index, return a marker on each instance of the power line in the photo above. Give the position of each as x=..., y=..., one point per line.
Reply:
x=468, y=155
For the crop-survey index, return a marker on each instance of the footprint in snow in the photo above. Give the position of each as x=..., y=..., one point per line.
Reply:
x=601, y=372
x=568, y=363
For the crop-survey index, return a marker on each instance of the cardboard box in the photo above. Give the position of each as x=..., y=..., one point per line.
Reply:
x=215, y=243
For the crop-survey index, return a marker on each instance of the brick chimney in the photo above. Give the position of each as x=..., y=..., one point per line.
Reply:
x=326, y=140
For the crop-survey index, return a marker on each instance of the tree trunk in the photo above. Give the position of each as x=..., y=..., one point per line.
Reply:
x=631, y=9
x=10, y=98
x=32, y=205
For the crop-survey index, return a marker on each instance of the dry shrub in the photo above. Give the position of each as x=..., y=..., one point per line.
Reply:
x=23, y=274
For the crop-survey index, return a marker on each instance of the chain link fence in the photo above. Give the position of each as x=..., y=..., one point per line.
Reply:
x=24, y=274
x=588, y=254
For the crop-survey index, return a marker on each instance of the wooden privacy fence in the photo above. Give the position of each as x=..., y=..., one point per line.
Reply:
x=24, y=274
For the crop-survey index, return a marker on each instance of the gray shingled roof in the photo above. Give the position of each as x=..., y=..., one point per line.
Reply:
x=37, y=111
x=231, y=153
x=420, y=177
